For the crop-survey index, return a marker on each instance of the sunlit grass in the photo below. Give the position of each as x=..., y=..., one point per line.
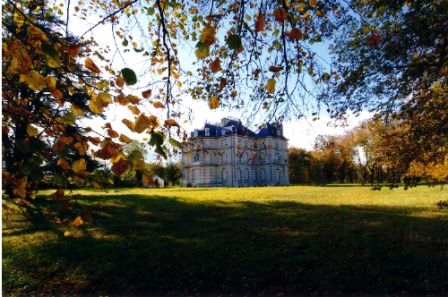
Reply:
x=234, y=241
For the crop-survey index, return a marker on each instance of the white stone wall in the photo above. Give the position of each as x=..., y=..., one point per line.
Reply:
x=235, y=160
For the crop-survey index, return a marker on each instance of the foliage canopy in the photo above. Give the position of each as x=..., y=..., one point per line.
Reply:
x=391, y=57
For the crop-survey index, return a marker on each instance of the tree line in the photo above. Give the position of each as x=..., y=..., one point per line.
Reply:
x=372, y=154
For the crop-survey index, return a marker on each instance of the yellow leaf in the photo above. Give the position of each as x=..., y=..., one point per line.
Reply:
x=95, y=107
x=81, y=147
x=134, y=109
x=143, y=122
x=158, y=104
x=79, y=165
x=50, y=81
x=34, y=80
x=35, y=33
x=105, y=98
x=128, y=124
x=312, y=3
x=91, y=65
x=31, y=130
x=77, y=110
x=124, y=138
x=213, y=102
x=202, y=51
x=270, y=85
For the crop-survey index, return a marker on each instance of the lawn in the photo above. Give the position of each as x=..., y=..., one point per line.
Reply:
x=240, y=242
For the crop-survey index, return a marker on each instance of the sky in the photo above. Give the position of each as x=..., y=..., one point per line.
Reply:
x=301, y=132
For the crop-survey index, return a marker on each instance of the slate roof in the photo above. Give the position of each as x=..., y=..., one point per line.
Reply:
x=231, y=126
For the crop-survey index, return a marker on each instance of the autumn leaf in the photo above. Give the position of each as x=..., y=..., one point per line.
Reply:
x=202, y=50
x=143, y=122
x=215, y=65
x=133, y=99
x=34, y=80
x=31, y=130
x=270, y=85
x=64, y=164
x=50, y=82
x=260, y=22
x=73, y=51
x=171, y=123
x=213, y=102
x=121, y=99
x=134, y=109
x=158, y=104
x=91, y=65
x=208, y=35
x=294, y=34
x=124, y=138
x=79, y=165
x=146, y=94
x=120, y=166
x=119, y=81
x=312, y=3
x=77, y=110
x=280, y=15
x=77, y=222
x=112, y=133
x=36, y=34
x=275, y=69
x=128, y=124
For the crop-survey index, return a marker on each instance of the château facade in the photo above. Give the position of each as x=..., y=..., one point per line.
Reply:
x=227, y=154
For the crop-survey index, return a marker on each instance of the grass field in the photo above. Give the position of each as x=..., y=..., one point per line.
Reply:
x=273, y=241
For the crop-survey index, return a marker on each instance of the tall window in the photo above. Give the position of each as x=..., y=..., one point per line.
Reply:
x=196, y=157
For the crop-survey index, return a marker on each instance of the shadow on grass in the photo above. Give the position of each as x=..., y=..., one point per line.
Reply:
x=149, y=245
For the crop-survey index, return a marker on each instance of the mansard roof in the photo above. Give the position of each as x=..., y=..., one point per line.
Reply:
x=234, y=126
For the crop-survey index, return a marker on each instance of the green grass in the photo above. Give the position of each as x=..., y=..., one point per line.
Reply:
x=248, y=241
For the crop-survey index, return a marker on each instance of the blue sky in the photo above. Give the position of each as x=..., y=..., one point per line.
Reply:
x=300, y=132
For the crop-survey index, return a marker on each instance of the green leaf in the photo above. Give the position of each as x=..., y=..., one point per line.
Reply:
x=49, y=50
x=150, y=10
x=160, y=150
x=234, y=42
x=125, y=42
x=156, y=139
x=52, y=55
x=69, y=118
x=129, y=76
x=202, y=50
x=175, y=143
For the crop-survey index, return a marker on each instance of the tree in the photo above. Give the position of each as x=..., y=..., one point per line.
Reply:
x=391, y=58
x=300, y=161
x=173, y=173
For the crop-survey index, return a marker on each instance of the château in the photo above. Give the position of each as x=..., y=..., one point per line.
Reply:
x=228, y=154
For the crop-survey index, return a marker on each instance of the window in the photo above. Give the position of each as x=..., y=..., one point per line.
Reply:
x=196, y=157
x=207, y=131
